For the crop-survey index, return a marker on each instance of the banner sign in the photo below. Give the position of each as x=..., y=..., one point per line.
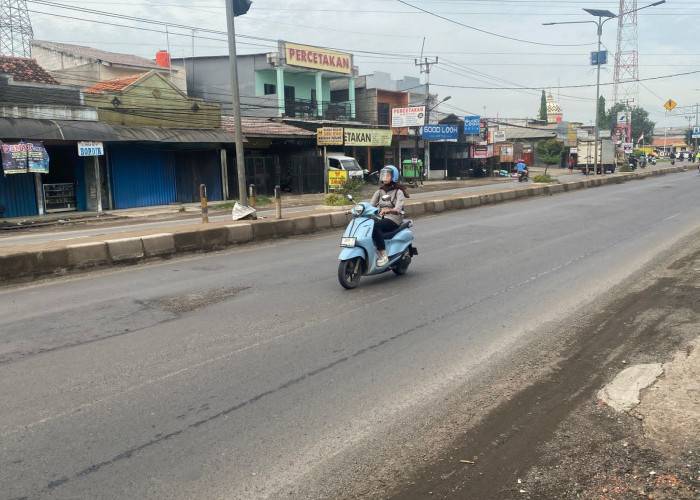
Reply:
x=329, y=136
x=696, y=132
x=336, y=178
x=86, y=148
x=317, y=58
x=408, y=117
x=499, y=136
x=367, y=137
x=24, y=157
x=481, y=151
x=440, y=132
x=471, y=124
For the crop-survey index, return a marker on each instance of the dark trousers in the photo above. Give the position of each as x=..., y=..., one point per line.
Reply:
x=380, y=227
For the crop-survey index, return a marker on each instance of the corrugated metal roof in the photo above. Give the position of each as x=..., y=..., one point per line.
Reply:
x=529, y=133
x=262, y=127
x=162, y=134
x=60, y=130
x=99, y=55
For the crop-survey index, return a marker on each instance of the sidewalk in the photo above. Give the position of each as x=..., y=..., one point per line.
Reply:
x=125, y=237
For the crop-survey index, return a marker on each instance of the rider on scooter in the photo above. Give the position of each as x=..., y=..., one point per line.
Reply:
x=522, y=167
x=389, y=198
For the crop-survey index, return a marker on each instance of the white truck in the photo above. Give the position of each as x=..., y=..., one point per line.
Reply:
x=585, y=150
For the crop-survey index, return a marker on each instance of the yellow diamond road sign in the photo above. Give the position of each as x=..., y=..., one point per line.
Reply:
x=670, y=104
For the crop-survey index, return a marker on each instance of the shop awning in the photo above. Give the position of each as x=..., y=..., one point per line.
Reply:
x=181, y=135
x=59, y=130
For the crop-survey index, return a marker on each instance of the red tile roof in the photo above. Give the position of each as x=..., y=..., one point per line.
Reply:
x=114, y=85
x=25, y=70
x=669, y=141
x=263, y=127
x=99, y=55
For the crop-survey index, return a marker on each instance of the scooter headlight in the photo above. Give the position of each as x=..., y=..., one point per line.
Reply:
x=358, y=209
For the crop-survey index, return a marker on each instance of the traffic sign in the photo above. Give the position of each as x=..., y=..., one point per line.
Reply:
x=696, y=132
x=670, y=104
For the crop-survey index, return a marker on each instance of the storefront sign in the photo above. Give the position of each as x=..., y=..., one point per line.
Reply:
x=24, y=157
x=367, y=137
x=329, y=136
x=471, y=124
x=440, y=132
x=483, y=151
x=336, y=178
x=499, y=136
x=408, y=117
x=86, y=148
x=317, y=58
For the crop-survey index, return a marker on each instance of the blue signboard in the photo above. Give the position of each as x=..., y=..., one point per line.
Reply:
x=440, y=132
x=598, y=58
x=471, y=124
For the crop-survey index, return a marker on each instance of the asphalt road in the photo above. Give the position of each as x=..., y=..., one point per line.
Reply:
x=251, y=373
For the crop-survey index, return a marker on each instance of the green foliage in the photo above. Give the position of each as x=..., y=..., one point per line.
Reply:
x=337, y=200
x=543, y=108
x=350, y=186
x=624, y=168
x=602, y=116
x=543, y=178
x=549, y=152
x=640, y=122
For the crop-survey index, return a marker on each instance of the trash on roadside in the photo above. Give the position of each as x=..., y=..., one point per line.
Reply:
x=241, y=212
x=467, y=462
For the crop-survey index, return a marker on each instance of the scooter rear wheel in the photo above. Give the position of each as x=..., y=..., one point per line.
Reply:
x=350, y=272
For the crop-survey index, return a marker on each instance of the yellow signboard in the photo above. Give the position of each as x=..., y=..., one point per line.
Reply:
x=367, y=137
x=336, y=178
x=329, y=136
x=317, y=58
x=670, y=104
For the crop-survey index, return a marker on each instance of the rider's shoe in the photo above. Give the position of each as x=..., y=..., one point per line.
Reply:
x=382, y=261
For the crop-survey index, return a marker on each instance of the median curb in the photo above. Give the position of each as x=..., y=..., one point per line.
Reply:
x=27, y=262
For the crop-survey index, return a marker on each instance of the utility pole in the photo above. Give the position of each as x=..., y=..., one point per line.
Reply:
x=235, y=94
x=425, y=68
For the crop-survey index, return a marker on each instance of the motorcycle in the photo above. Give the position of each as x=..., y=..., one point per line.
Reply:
x=359, y=255
x=372, y=177
x=523, y=176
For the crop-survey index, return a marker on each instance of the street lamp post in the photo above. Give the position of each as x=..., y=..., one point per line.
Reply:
x=603, y=16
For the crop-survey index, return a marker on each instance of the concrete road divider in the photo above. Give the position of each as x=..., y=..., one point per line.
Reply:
x=24, y=263
x=125, y=249
x=158, y=245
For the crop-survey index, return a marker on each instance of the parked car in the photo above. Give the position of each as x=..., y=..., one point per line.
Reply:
x=338, y=161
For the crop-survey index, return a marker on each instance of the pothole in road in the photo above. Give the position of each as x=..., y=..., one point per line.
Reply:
x=195, y=300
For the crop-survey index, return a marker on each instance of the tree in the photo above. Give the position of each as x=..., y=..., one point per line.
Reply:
x=543, y=108
x=549, y=152
x=640, y=122
x=602, y=116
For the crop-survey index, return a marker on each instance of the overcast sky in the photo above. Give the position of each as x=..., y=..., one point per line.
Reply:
x=488, y=50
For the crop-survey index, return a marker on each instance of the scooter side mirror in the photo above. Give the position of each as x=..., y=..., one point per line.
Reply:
x=385, y=197
x=350, y=198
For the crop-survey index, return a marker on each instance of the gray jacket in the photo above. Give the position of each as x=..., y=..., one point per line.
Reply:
x=395, y=200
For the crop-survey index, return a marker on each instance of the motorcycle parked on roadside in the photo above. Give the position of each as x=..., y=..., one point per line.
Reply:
x=371, y=177
x=359, y=255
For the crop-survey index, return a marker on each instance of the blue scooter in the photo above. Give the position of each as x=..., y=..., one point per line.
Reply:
x=359, y=256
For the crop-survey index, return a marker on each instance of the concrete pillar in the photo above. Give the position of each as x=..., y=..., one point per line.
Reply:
x=280, y=90
x=351, y=95
x=319, y=94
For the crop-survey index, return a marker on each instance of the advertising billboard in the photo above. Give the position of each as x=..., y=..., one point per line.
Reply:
x=413, y=116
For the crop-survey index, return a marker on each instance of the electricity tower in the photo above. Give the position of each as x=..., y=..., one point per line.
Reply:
x=626, y=76
x=15, y=28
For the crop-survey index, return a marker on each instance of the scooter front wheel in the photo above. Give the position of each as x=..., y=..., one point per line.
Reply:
x=350, y=272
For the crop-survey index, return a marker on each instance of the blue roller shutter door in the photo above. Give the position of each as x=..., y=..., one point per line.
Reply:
x=18, y=195
x=141, y=177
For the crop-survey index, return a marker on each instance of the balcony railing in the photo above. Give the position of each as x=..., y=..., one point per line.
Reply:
x=305, y=108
